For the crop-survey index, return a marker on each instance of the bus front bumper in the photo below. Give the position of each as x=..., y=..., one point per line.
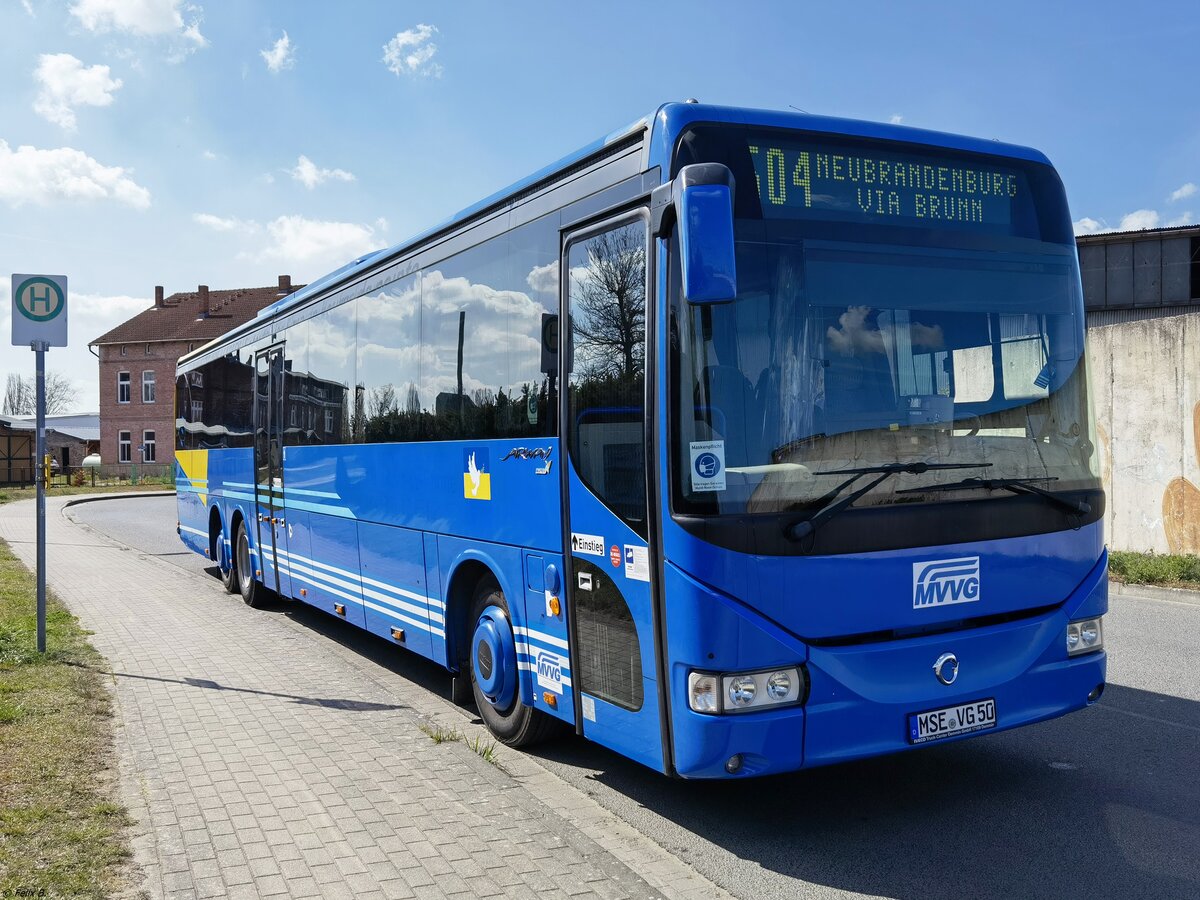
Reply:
x=862, y=698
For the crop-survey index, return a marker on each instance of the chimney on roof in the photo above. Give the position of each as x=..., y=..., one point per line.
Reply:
x=285, y=285
x=203, y=310
x=158, y=296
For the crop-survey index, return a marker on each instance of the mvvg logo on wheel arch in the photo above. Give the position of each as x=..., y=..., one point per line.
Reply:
x=942, y=582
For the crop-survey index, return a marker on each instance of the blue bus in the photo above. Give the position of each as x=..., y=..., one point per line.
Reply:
x=738, y=442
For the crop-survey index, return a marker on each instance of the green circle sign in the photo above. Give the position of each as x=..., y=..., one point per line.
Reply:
x=40, y=299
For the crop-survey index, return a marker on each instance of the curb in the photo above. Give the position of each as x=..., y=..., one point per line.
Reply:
x=93, y=498
x=1152, y=592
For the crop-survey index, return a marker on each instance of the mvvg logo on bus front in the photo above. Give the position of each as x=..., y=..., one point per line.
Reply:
x=942, y=582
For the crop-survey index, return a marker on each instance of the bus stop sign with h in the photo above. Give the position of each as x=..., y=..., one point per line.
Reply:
x=39, y=320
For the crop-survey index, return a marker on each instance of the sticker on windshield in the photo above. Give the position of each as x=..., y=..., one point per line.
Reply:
x=708, y=465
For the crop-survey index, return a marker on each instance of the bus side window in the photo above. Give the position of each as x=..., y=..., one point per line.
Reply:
x=606, y=424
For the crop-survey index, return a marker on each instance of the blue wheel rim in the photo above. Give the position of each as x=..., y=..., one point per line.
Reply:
x=494, y=658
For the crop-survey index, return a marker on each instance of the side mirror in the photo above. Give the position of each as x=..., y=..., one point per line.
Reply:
x=702, y=203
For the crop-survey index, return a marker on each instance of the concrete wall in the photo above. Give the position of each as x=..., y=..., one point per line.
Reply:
x=1145, y=379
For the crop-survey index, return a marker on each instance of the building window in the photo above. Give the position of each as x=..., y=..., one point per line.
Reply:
x=124, y=349
x=122, y=387
x=124, y=447
x=329, y=421
x=197, y=411
x=148, y=387
x=147, y=446
x=148, y=350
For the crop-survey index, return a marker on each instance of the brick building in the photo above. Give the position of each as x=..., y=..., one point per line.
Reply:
x=137, y=365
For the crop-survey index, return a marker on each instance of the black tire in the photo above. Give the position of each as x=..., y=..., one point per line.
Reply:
x=253, y=593
x=229, y=576
x=517, y=725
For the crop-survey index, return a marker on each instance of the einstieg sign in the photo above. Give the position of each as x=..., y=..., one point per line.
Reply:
x=39, y=310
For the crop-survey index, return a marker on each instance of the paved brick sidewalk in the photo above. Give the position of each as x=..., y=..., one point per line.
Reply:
x=260, y=758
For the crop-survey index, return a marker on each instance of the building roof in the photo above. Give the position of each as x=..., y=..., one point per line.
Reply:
x=194, y=316
x=81, y=426
x=1100, y=237
x=16, y=423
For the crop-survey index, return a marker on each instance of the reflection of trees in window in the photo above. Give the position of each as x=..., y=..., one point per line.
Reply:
x=608, y=300
x=481, y=414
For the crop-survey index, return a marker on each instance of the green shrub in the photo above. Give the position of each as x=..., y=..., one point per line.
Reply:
x=1154, y=568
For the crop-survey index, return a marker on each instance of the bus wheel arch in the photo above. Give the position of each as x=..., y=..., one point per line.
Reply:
x=465, y=579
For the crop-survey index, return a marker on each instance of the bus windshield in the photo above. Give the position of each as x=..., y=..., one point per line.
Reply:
x=859, y=341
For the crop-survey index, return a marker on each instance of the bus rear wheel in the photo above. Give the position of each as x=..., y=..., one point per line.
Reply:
x=253, y=593
x=226, y=562
x=495, y=675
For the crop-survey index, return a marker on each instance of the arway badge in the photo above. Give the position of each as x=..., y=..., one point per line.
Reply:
x=39, y=310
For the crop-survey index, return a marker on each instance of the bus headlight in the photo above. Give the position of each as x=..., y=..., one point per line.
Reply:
x=1085, y=636
x=744, y=691
x=741, y=689
x=779, y=686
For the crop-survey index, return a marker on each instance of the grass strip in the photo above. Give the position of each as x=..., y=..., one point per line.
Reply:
x=61, y=832
x=1154, y=568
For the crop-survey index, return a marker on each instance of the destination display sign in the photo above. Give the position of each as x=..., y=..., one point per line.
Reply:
x=876, y=185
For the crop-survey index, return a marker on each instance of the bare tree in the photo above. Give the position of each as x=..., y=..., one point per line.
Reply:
x=60, y=393
x=20, y=394
x=412, y=400
x=610, y=317
x=16, y=401
x=382, y=400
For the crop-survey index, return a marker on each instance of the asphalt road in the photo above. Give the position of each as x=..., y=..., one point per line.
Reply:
x=1102, y=803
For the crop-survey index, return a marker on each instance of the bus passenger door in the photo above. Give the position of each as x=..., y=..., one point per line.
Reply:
x=270, y=514
x=609, y=580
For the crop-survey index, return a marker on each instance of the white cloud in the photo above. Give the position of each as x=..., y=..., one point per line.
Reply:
x=1138, y=219
x=281, y=56
x=30, y=175
x=28, y=8
x=316, y=244
x=309, y=175
x=216, y=223
x=411, y=52
x=1184, y=218
x=65, y=83
x=544, y=279
x=1088, y=225
x=896, y=119
x=1182, y=192
x=208, y=154
x=144, y=18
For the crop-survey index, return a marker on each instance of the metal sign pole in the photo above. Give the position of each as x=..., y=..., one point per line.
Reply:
x=39, y=349
x=39, y=322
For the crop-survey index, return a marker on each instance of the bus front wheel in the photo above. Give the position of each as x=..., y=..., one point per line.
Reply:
x=494, y=673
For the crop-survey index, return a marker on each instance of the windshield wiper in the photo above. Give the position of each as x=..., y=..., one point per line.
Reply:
x=1013, y=485
x=803, y=529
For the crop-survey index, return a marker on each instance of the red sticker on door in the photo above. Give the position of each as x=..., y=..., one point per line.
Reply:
x=614, y=556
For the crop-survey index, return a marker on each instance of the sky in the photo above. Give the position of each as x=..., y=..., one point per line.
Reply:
x=147, y=142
